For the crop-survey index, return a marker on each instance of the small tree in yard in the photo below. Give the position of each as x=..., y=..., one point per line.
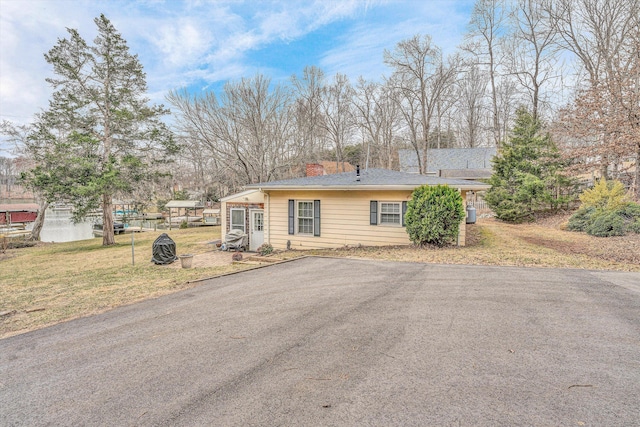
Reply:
x=434, y=214
x=527, y=175
x=98, y=138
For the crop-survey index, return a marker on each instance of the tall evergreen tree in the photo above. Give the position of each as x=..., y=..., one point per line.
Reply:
x=527, y=173
x=100, y=138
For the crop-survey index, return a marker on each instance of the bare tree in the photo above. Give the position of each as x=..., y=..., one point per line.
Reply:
x=597, y=32
x=338, y=115
x=378, y=117
x=602, y=128
x=7, y=174
x=33, y=150
x=471, y=106
x=248, y=130
x=445, y=102
x=308, y=93
x=508, y=99
x=421, y=79
x=483, y=41
x=531, y=51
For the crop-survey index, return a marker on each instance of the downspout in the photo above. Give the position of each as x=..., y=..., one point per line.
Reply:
x=267, y=223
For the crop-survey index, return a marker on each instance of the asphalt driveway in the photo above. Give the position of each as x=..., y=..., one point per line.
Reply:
x=343, y=342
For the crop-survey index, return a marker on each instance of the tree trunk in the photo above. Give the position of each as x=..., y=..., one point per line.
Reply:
x=39, y=222
x=419, y=157
x=636, y=178
x=107, y=221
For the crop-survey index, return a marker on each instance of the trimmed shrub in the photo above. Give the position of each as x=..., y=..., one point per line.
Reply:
x=634, y=227
x=607, y=195
x=606, y=224
x=606, y=211
x=631, y=211
x=434, y=214
x=631, y=215
x=580, y=220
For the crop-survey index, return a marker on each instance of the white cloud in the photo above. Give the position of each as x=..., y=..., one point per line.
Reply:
x=182, y=43
x=203, y=42
x=27, y=32
x=361, y=53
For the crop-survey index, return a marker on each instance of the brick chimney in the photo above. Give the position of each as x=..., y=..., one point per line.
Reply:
x=315, y=169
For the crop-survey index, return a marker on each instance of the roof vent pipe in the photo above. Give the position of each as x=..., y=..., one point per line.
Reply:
x=358, y=173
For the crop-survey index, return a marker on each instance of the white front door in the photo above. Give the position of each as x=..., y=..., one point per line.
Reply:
x=256, y=236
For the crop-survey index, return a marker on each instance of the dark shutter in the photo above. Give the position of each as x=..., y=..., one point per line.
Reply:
x=316, y=217
x=373, y=212
x=404, y=211
x=292, y=211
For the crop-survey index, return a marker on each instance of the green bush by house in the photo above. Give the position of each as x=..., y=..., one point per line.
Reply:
x=434, y=214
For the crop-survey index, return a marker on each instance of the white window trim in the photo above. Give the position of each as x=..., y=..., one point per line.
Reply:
x=389, y=224
x=244, y=215
x=297, y=218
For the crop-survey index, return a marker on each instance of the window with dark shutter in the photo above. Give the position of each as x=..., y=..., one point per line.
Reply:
x=404, y=211
x=292, y=221
x=373, y=212
x=316, y=217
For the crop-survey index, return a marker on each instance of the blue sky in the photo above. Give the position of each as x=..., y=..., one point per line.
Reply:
x=200, y=44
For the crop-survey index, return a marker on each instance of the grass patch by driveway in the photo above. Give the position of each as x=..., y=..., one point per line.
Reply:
x=543, y=244
x=50, y=283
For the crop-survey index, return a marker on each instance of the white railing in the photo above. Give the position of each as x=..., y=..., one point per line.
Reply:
x=481, y=207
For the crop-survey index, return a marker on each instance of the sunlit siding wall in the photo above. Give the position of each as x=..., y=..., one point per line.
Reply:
x=344, y=220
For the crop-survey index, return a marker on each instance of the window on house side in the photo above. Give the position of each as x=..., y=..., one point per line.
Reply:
x=305, y=217
x=390, y=213
x=238, y=220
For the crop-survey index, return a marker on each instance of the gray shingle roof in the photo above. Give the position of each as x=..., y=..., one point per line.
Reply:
x=368, y=178
x=448, y=158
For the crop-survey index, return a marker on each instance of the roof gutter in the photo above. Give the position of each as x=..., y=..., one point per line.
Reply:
x=477, y=187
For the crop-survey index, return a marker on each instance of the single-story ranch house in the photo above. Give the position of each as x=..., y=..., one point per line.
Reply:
x=330, y=211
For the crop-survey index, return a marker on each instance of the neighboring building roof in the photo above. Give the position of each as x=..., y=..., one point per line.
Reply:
x=448, y=158
x=19, y=207
x=185, y=204
x=251, y=195
x=369, y=179
x=466, y=173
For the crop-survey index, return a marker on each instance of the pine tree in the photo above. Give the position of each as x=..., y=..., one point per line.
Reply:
x=99, y=137
x=527, y=173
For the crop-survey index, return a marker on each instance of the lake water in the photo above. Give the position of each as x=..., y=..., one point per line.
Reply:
x=59, y=228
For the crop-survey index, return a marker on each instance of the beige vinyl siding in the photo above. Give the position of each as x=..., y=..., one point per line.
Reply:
x=344, y=219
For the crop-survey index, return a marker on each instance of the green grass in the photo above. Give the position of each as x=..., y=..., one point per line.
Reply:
x=70, y=280
x=76, y=279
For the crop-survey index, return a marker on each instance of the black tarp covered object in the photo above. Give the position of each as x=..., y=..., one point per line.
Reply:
x=164, y=250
